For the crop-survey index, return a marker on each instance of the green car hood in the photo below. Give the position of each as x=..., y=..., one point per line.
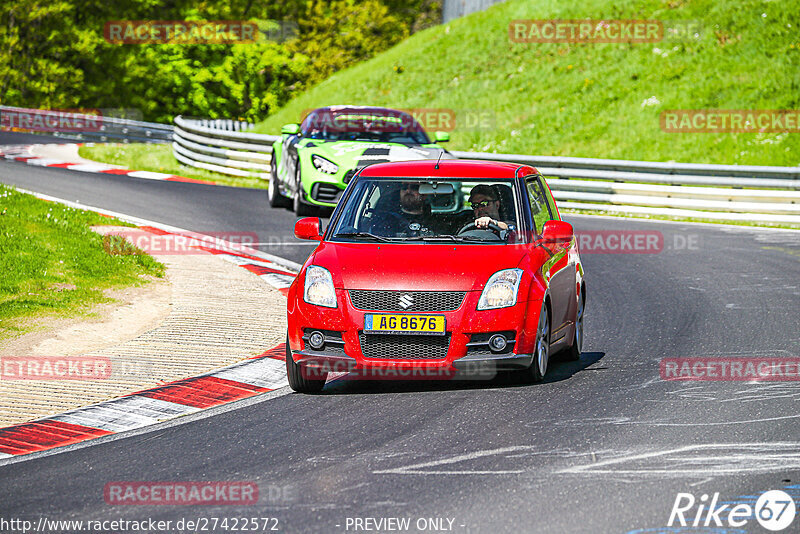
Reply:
x=351, y=154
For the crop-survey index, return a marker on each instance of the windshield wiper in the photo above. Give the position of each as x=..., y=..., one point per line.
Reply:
x=457, y=238
x=442, y=237
x=364, y=234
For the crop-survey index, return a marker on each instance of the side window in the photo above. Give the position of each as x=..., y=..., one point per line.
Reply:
x=540, y=206
x=365, y=211
x=550, y=202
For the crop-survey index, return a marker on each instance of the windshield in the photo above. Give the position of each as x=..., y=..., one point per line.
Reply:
x=383, y=126
x=421, y=209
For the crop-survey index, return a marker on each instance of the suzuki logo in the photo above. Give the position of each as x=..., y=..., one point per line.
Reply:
x=406, y=301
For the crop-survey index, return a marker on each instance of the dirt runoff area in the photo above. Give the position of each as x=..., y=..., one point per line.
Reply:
x=206, y=313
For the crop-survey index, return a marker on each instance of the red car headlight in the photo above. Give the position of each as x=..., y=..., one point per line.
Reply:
x=318, y=287
x=501, y=290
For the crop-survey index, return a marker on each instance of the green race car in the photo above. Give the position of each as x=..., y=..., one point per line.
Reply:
x=312, y=162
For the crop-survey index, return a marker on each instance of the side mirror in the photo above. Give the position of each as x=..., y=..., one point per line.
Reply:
x=309, y=228
x=441, y=137
x=290, y=129
x=559, y=234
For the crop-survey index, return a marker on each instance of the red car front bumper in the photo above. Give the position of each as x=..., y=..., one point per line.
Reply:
x=467, y=334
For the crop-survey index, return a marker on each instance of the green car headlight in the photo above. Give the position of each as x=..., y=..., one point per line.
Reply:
x=324, y=165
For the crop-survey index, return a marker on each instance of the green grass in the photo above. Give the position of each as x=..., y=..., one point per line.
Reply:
x=590, y=100
x=53, y=263
x=158, y=158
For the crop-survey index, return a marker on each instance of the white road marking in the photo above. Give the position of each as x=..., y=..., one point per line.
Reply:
x=747, y=458
x=266, y=373
x=419, y=469
x=628, y=421
x=125, y=413
x=280, y=281
x=149, y=175
x=89, y=167
x=197, y=416
x=43, y=162
x=238, y=260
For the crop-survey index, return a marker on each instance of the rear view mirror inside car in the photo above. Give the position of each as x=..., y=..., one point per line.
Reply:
x=436, y=188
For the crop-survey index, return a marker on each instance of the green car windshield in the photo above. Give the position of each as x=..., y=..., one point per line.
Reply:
x=421, y=209
x=397, y=127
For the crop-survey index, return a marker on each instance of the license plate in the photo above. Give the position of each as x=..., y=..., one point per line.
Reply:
x=382, y=323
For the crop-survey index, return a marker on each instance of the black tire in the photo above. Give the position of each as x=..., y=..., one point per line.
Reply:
x=301, y=209
x=573, y=353
x=276, y=199
x=537, y=370
x=297, y=381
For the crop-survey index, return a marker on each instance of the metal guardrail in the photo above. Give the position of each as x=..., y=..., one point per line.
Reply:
x=76, y=126
x=696, y=169
x=713, y=192
x=721, y=192
x=222, y=146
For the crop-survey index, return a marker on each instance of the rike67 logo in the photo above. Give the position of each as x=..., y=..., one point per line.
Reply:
x=774, y=510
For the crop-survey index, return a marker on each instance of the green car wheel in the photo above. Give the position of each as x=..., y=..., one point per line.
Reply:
x=301, y=208
x=276, y=199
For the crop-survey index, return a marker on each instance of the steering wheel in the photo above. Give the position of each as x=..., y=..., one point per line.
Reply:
x=491, y=226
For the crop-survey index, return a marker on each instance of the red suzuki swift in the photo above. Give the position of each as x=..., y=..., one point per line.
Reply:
x=432, y=267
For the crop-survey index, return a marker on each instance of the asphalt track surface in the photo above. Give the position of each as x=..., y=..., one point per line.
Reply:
x=602, y=445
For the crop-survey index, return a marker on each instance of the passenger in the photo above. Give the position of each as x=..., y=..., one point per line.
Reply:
x=410, y=217
x=412, y=205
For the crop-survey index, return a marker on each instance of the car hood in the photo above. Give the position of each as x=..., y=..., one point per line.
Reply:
x=352, y=154
x=422, y=267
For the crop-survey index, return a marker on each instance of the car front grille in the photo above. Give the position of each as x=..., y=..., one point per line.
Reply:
x=407, y=301
x=403, y=346
x=326, y=192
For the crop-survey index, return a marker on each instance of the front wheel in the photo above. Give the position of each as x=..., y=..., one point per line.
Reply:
x=276, y=200
x=298, y=379
x=301, y=209
x=541, y=350
x=573, y=353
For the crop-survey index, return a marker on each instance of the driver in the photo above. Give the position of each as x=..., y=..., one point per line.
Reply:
x=486, y=206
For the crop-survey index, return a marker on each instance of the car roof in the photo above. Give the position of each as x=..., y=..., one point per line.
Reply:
x=341, y=108
x=448, y=168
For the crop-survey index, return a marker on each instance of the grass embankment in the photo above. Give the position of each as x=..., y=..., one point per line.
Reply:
x=53, y=263
x=158, y=158
x=590, y=100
